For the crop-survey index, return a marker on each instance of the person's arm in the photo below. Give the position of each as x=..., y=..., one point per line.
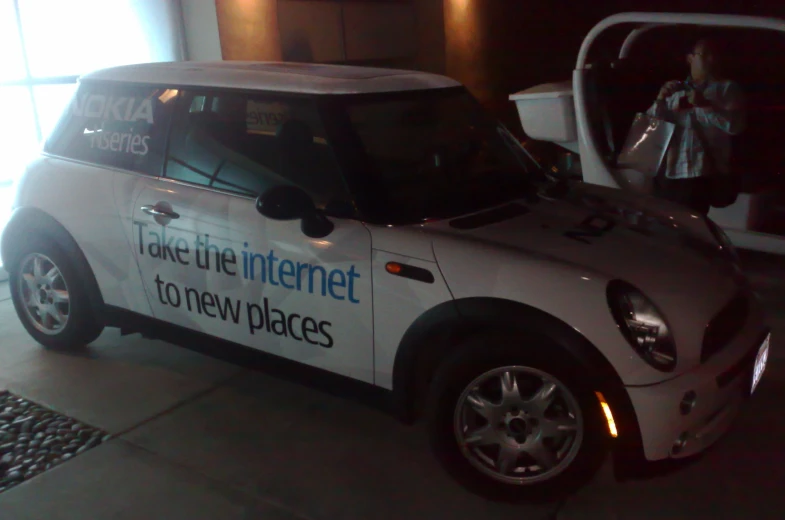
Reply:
x=667, y=106
x=669, y=110
x=726, y=113
x=659, y=109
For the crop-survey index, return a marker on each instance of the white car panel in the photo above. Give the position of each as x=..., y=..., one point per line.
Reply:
x=90, y=214
x=657, y=406
x=697, y=19
x=572, y=274
x=397, y=303
x=557, y=289
x=280, y=77
x=403, y=240
x=312, y=304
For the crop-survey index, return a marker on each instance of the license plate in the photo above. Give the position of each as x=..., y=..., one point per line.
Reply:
x=760, y=363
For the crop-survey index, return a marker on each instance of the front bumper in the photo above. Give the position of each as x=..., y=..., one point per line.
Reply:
x=720, y=387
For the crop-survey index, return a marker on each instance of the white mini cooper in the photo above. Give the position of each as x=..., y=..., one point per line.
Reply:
x=379, y=225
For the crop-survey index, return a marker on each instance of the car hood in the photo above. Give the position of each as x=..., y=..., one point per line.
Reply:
x=655, y=245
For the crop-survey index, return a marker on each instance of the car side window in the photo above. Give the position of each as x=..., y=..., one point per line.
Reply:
x=121, y=126
x=248, y=143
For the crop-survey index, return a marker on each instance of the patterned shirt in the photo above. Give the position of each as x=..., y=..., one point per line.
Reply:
x=723, y=118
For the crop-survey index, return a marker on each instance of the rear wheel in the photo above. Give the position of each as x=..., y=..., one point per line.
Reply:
x=50, y=298
x=511, y=423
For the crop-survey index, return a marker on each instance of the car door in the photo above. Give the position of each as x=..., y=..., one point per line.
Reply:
x=210, y=262
x=109, y=141
x=752, y=221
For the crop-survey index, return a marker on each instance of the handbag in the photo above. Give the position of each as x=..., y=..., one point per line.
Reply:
x=647, y=142
x=724, y=188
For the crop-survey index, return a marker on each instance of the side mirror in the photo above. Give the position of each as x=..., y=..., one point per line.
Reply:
x=292, y=203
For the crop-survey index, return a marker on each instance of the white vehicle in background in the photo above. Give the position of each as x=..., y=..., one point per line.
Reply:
x=589, y=116
x=379, y=225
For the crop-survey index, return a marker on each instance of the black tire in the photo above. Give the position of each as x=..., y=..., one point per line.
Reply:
x=487, y=352
x=82, y=327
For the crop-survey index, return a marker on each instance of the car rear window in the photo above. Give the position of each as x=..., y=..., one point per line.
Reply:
x=248, y=143
x=121, y=126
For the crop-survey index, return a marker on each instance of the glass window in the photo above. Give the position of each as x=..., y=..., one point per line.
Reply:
x=18, y=134
x=437, y=154
x=246, y=144
x=92, y=34
x=12, y=65
x=118, y=126
x=50, y=102
x=45, y=45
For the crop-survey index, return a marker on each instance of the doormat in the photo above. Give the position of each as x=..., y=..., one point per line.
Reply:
x=34, y=439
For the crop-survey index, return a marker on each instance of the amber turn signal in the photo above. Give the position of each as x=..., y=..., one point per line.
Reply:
x=606, y=409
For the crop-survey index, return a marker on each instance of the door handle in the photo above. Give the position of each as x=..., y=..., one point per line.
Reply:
x=156, y=212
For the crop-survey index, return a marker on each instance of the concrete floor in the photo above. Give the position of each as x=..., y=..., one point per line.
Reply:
x=200, y=438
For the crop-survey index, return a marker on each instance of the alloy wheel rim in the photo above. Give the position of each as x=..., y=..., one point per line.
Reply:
x=518, y=425
x=44, y=294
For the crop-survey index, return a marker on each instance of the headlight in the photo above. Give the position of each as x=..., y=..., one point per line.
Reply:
x=643, y=325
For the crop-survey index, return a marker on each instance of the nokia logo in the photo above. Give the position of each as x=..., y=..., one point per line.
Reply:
x=115, y=108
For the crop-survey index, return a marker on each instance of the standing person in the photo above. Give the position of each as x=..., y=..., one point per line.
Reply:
x=707, y=110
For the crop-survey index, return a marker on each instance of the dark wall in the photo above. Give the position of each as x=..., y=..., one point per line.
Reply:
x=748, y=7
x=499, y=47
x=521, y=43
x=248, y=29
x=535, y=42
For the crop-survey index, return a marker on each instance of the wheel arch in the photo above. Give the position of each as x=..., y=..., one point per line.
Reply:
x=439, y=330
x=27, y=223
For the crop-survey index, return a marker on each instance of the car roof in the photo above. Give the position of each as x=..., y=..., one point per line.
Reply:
x=306, y=78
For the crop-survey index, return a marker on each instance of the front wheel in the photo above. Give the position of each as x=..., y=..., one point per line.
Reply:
x=50, y=298
x=515, y=422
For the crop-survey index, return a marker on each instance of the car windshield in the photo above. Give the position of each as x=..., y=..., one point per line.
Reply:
x=437, y=154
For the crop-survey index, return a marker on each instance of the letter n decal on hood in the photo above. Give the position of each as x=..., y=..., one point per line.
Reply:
x=592, y=226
